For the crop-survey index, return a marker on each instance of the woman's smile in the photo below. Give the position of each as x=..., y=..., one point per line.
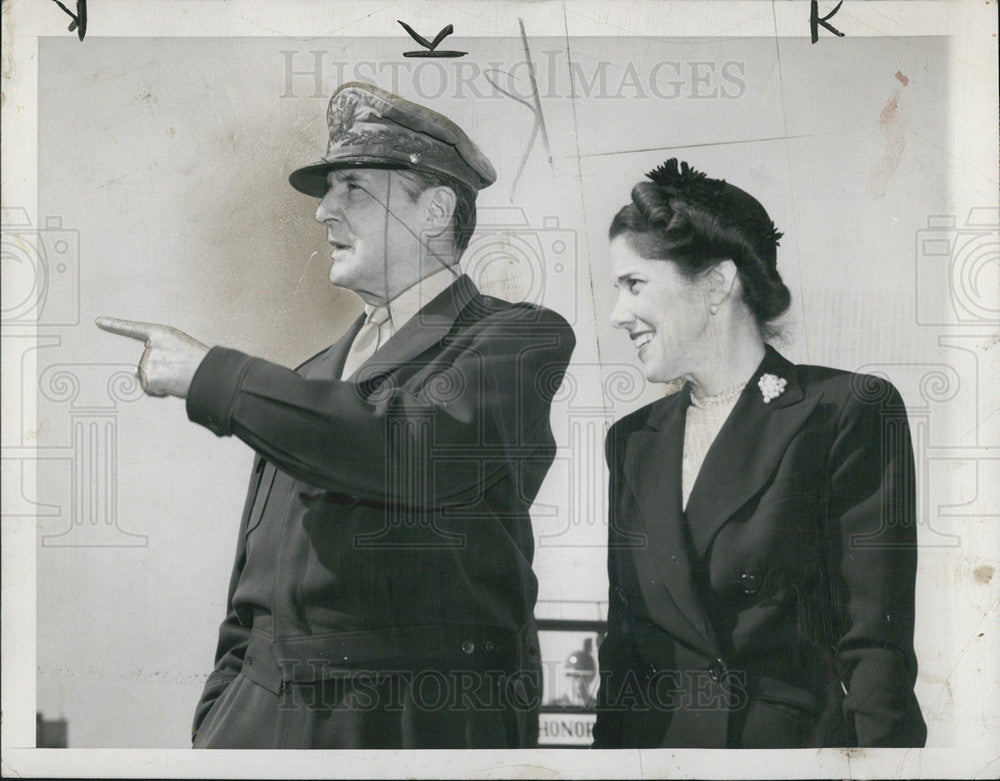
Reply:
x=641, y=338
x=665, y=313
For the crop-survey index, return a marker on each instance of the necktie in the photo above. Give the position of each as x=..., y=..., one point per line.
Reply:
x=373, y=334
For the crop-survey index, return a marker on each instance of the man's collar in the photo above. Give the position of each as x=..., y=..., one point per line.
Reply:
x=404, y=306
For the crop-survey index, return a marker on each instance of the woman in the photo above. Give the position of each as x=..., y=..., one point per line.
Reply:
x=762, y=539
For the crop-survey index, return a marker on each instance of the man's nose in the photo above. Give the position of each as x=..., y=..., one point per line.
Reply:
x=328, y=208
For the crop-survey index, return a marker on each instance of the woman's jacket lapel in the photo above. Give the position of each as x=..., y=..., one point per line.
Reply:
x=737, y=467
x=653, y=471
x=747, y=450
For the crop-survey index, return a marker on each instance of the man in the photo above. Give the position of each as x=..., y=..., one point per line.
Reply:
x=382, y=594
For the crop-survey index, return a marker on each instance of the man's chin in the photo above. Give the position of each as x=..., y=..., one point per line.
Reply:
x=340, y=274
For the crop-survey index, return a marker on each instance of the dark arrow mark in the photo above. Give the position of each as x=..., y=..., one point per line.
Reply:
x=79, y=22
x=431, y=46
x=445, y=32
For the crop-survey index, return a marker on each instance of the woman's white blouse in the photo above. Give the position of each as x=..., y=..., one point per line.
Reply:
x=705, y=417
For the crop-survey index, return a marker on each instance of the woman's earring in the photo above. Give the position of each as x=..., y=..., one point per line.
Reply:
x=713, y=309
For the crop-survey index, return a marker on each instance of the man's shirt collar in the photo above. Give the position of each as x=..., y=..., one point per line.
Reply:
x=404, y=306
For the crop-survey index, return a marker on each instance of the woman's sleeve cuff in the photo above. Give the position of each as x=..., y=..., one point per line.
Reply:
x=214, y=389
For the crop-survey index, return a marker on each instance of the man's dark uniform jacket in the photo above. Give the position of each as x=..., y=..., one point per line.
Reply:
x=776, y=610
x=386, y=526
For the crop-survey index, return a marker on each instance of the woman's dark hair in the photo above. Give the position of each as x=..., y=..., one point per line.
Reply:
x=682, y=216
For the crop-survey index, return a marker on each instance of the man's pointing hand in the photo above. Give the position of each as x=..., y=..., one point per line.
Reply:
x=171, y=357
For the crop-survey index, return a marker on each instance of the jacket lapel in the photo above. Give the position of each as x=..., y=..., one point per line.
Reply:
x=329, y=363
x=653, y=470
x=421, y=332
x=746, y=451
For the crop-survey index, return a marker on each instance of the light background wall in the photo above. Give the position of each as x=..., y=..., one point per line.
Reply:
x=170, y=158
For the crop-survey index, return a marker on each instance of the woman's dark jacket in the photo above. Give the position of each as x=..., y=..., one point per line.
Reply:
x=777, y=610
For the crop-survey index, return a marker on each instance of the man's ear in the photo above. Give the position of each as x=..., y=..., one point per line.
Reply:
x=721, y=281
x=440, y=203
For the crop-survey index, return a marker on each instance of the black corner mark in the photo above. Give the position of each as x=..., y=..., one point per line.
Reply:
x=445, y=32
x=815, y=20
x=430, y=46
x=79, y=22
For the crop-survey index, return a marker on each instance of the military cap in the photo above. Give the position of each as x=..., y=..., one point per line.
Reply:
x=372, y=128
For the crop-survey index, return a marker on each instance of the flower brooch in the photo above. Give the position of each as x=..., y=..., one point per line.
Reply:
x=771, y=386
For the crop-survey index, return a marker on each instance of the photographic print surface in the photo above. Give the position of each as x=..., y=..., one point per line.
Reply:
x=146, y=177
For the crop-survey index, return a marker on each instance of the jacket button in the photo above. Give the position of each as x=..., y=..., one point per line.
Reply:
x=490, y=645
x=716, y=670
x=249, y=661
x=468, y=647
x=748, y=582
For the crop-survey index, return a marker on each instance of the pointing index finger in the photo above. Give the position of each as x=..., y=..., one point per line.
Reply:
x=130, y=328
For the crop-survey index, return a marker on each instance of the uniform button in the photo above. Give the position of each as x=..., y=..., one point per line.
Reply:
x=748, y=582
x=249, y=661
x=490, y=645
x=468, y=647
x=716, y=669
